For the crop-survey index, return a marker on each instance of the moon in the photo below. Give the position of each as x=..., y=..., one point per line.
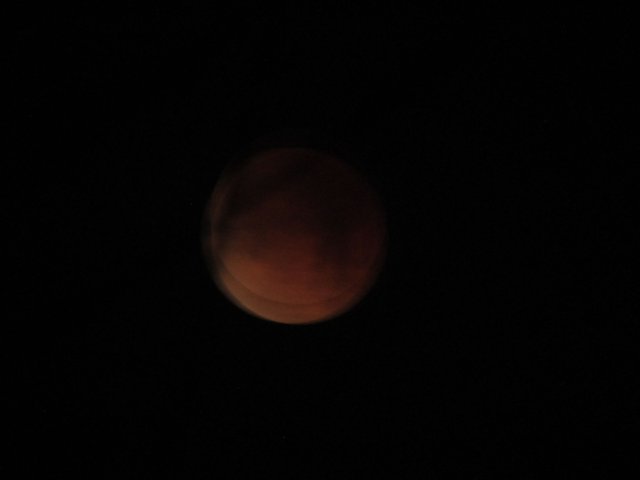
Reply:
x=294, y=235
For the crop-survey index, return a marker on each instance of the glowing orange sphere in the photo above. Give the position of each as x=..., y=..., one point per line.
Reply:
x=294, y=236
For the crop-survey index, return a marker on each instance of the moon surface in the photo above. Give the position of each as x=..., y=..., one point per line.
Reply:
x=294, y=236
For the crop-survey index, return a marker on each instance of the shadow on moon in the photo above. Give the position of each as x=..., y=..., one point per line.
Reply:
x=294, y=235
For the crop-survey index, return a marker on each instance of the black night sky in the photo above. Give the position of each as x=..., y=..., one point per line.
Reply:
x=484, y=350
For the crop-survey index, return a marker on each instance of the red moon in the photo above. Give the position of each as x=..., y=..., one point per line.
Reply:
x=294, y=236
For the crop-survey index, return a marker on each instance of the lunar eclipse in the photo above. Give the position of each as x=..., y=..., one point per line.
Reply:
x=294, y=235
